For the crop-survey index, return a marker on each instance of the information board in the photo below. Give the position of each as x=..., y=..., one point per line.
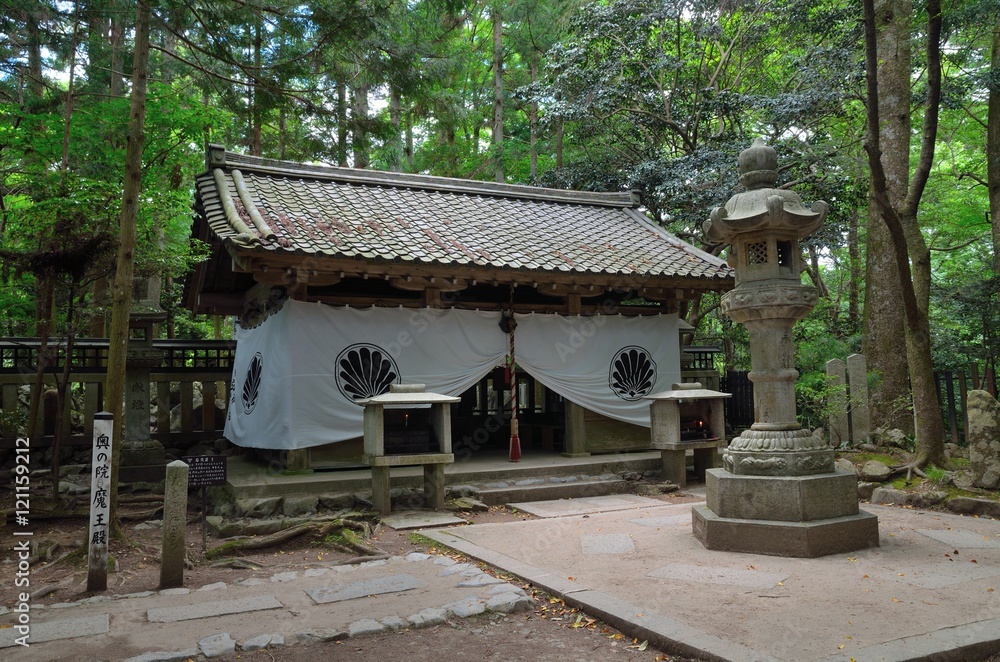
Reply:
x=206, y=470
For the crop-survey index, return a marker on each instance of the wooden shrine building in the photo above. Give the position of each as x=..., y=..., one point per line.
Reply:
x=326, y=241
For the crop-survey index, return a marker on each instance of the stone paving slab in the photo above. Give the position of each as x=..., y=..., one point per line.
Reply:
x=966, y=539
x=72, y=628
x=718, y=575
x=664, y=522
x=942, y=574
x=191, y=612
x=417, y=519
x=585, y=505
x=607, y=543
x=360, y=589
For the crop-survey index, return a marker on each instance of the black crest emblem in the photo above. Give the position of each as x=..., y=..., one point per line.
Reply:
x=251, y=383
x=365, y=370
x=632, y=373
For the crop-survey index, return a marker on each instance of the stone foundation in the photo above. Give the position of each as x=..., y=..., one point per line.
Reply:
x=837, y=535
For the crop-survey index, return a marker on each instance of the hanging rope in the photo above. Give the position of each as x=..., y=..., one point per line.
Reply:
x=515, y=441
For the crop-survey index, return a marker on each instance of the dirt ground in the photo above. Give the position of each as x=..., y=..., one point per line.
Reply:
x=550, y=631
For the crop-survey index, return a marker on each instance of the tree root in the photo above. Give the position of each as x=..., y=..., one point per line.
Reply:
x=343, y=534
x=236, y=563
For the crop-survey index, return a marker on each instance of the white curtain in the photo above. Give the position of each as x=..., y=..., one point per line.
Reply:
x=297, y=376
x=605, y=363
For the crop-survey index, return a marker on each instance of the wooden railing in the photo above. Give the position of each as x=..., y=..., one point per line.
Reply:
x=185, y=364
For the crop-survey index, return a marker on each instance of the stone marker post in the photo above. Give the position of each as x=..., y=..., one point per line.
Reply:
x=174, y=521
x=100, y=503
x=836, y=372
x=861, y=420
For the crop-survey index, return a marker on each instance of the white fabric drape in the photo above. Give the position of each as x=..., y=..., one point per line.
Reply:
x=605, y=363
x=296, y=376
x=317, y=360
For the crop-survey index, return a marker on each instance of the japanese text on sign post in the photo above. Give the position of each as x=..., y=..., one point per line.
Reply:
x=100, y=503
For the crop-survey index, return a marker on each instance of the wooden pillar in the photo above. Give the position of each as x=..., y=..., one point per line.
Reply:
x=576, y=431
x=381, y=500
x=433, y=485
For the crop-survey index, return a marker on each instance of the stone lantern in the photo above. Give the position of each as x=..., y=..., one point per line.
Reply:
x=778, y=491
x=142, y=457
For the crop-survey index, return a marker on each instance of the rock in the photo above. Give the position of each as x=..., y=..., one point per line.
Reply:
x=927, y=499
x=875, y=471
x=456, y=491
x=956, y=451
x=984, y=439
x=895, y=437
x=973, y=506
x=365, y=626
x=655, y=489
x=318, y=635
x=165, y=656
x=342, y=501
x=466, y=504
x=468, y=606
x=962, y=479
x=509, y=602
x=66, y=487
x=259, y=642
x=888, y=496
x=865, y=490
x=427, y=617
x=394, y=623
x=151, y=524
x=264, y=507
x=217, y=645
x=299, y=506
x=845, y=465
x=632, y=476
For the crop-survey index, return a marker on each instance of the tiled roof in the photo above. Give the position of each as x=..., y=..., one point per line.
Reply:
x=281, y=207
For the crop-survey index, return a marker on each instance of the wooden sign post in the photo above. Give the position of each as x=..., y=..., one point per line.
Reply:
x=100, y=503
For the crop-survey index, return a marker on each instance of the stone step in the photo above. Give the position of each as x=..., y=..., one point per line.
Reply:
x=547, y=491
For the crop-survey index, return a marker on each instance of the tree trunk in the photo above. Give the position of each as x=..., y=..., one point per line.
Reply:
x=256, y=146
x=121, y=295
x=883, y=312
x=900, y=219
x=396, y=118
x=853, y=286
x=533, y=125
x=409, y=140
x=993, y=147
x=359, y=125
x=342, y=125
x=35, y=86
x=497, y=142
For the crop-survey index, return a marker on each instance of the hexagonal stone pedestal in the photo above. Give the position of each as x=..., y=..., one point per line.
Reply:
x=799, y=516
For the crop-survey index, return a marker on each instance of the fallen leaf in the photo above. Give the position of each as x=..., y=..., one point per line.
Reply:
x=989, y=590
x=643, y=645
x=973, y=561
x=895, y=599
x=840, y=646
x=865, y=577
x=851, y=560
x=781, y=583
x=847, y=636
x=902, y=574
